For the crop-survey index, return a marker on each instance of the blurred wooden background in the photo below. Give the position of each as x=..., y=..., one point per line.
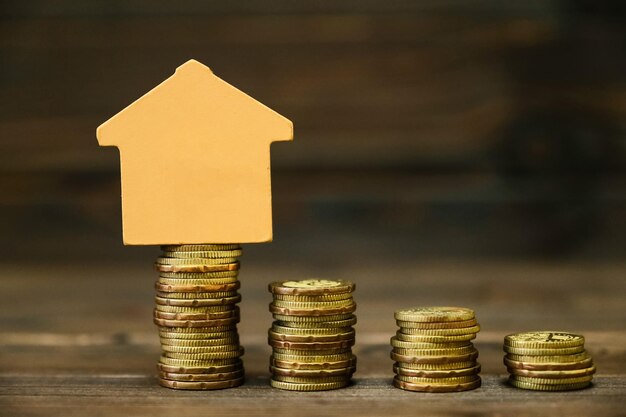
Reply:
x=467, y=129
x=469, y=152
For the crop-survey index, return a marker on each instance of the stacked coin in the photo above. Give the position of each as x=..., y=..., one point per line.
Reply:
x=312, y=335
x=433, y=350
x=548, y=361
x=197, y=316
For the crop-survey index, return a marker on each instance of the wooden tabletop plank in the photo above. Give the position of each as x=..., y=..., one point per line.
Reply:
x=132, y=394
x=79, y=338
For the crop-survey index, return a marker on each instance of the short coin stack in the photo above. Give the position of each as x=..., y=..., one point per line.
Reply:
x=197, y=316
x=312, y=335
x=433, y=350
x=548, y=361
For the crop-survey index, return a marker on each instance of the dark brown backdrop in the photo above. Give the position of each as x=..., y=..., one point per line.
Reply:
x=422, y=129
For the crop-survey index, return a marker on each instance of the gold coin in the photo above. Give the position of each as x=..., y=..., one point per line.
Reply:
x=203, y=309
x=435, y=352
x=544, y=351
x=188, y=282
x=313, y=359
x=211, y=319
x=196, y=339
x=425, y=373
x=161, y=260
x=224, y=288
x=233, y=253
x=231, y=354
x=430, y=314
x=544, y=339
x=441, y=332
x=313, y=373
x=551, y=381
x=436, y=366
x=569, y=373
x=201, y=385
x=194, y=350
x=296, y=331
x=201, y=342
x=318, y=312
x=221, y=376
x=203, y=247
x=312, y=319
x=199, y=275
x=304, y=353
x=313, y=366
x=312, y=305
x=198, y=363
x=311, y=287
x=439, y=381
x=585, y=363
x=197, y=302
x=236, y=366
x=576, y=357
x=197, y=333
x=433, y=325
x=195, y=323
x=540, y=387
x=310, y=380
x=311, y=338
x=401, y=335
x=340, y=344
x=197, y=316
x=313, y=298
x=335, y=324
x=434, y=359
x=289, y=386
x=395, y=342
x=409, y=386
x=196, y=268
x=196, y=295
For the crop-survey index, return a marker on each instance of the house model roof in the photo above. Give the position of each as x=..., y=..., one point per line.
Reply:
x=195, y=161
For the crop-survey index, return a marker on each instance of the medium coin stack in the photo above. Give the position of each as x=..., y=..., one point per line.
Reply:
x=433, y=350
x=548, y=361
x=197, y=315
x=312, y=335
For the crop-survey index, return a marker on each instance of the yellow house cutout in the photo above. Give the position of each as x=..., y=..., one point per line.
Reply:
x=195, y=161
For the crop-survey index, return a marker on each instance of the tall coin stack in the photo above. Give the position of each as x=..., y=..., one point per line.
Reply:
x=548, y=361
x=197, y=315
x=312, y=335
x=433, y=350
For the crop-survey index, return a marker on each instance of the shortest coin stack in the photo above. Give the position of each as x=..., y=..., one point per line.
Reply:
x=548, y=361
x=312, y=335
x=197, y=314
x=433, y=350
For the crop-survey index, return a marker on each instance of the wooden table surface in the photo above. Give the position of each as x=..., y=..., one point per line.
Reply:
x=77, y=339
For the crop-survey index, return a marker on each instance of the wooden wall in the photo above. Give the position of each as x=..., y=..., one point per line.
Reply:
x=423, y=129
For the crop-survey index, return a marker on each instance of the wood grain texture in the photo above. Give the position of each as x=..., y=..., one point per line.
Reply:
x=138, y=395
x=79, y=339
x=486, y=129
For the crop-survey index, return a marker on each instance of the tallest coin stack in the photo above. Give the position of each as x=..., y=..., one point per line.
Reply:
x=197, y=316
